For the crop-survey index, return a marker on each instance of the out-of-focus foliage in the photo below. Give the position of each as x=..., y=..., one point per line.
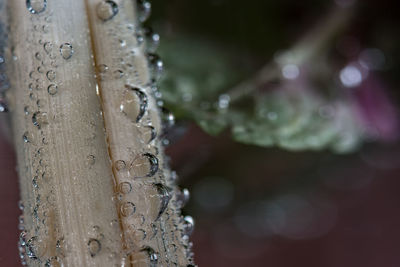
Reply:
x=288, y=115
x=206, y=56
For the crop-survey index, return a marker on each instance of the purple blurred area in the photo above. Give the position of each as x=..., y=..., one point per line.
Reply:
x=9, y=195
x=283, y=209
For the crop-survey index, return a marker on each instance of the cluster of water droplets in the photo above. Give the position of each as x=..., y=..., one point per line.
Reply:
x=42, y=87
x=141, y=171
x=143, y=167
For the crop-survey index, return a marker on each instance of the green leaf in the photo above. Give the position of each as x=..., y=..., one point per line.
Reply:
x=287, y=115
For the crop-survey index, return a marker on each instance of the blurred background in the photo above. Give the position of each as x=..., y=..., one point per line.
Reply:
x=286, y=133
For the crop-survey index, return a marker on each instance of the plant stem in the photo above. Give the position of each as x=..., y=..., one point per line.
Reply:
x=94, y=183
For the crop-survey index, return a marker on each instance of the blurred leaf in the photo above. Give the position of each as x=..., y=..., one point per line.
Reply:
x=287, y=115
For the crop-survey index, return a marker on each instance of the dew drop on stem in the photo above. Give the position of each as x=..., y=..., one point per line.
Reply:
x=168, y=118
x=134, y=103
x=36, y=6
x=120, y=165
x=106, y=10
x=152, y=39
x=188, y=225
x=48, y=47
x=125, y=188
x=38, y=56
x=149, y=133
x=91, y=160
x=21, y=205
x=156, y=65
x=51, y=75
x=118, y=74
x=145, y=165
x=182, y=197
x=39, y=119
x=52, y=89
x=66, y=51
x=141, y=234
x=144, y=10
x=164, y=195
x=94, y=247
x=35, y=248
x=3, y=106
x=145, y=257
x=27, y=137
x=53, y=262
x=127, y=209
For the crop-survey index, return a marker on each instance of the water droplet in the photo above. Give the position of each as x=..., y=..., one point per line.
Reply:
x=223, y=101
x=3, y=106
x=21, y=222
x=119, y=165
x=22, y=238
x=51, y=75
x=106, y=10
x=134, y=104
x=36, y=6
x=94, y=247
x=125, y=187
x=45, y=28
x=35, y=248
x=172, y=248
x=164, y=196
x=156, y=65
x=52, y=89
x=39, y=119
x=188, y=225
x=290, y=71
x=351, y=76
x=174, y=176
x=32, y=75
x=145, y=165
x=145, y=257
x=66, y=50
x=114, y=223
x=153, y=257
x=48, y=47
x=154, y=229
x=149, y=133
x=152, y=39
x=127, y=209
x=38, y=56
x=167, y=118
x=27, y=137
x=182, y=197
x=30, y=86
x=140, y=234
x=32, y=96
x=118, y=74
x=21, y=205
x=34, y=182
x=53, y=262
x=91, y=159
x=102, y=68
x=39, y=103
x=144, y=10
x=139, y=38
x=122, y=43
